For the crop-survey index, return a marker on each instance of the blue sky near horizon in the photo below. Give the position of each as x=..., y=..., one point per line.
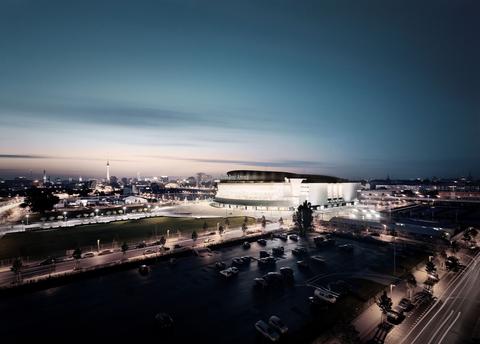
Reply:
x=350, y=88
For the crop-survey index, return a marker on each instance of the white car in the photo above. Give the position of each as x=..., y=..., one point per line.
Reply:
x=278, y=324
x=267, y=331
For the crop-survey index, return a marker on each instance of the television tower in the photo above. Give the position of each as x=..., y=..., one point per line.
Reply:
x=108, y=171
x=44, y=177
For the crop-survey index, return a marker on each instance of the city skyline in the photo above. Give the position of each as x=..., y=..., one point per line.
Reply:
x=358, y=91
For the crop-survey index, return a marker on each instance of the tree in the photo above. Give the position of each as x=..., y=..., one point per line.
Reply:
x=473, y=232
x=163, y=240
x=303, y=217
x=227, y=222
x=411, y=283
x=280, y=221
x=466, y=236
x=205, y=226
x=244, y=228
x=77, y=255
x=384, y=303
x=264, y=222
x=430, y=268
x=454, y=246
x=124, y=248
x=194, y=236
x=40, y=200
x=220, y=230
x=16, y=268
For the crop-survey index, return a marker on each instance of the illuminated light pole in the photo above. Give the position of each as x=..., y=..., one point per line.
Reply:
x=65, y=217
x=96, y=212
x=27, y=216
x=391, y=289
x=98, y=245
x=124, y=210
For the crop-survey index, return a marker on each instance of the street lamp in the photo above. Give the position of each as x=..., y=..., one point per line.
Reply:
x=27, y=216
x=96, y=212
x=124, y=210
x=65, y=216
x=391, y=289
x=98, y=245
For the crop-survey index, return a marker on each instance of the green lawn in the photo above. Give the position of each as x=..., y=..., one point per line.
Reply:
x=39, y=244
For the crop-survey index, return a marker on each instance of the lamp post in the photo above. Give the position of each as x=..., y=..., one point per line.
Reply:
x=98, y=245
x=96, y=212
x=27, y=216
x=65, y=217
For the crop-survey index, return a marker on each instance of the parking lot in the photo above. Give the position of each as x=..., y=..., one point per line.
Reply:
x=203, y=304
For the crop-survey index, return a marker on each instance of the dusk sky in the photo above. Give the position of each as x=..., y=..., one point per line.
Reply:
x=354, y=89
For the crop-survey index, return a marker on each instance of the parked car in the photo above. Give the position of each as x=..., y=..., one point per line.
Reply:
x=246, y=259
x=149, y=251
x=177, y=246
x=141, y=245
x=88, y=255
x=220, y=265
x=230, y=272
x=299, y=251
x=273, y=278
x=282, y=236
x=48, y=261
x=394, y=317
x=267, y=331
x=293, y=237
x=278, y=250
x=278, y=324
x=208, y=240
x=246, y=245
x=164, y=320
x=104, y=252
x=406, y=305
x=286, y=272
x=318, y=259
x=260, y=282
x=346, y=248
x=264, y=254
x=262, y=242
x=237, y=261
x=266, y=261
x=302, y=264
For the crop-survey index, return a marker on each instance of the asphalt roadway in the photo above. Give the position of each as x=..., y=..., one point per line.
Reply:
x=121, y=306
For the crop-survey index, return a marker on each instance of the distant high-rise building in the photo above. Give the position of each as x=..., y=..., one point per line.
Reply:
x=44, y=177
x=108, y=171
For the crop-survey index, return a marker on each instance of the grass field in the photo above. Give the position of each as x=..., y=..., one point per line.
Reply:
x=40, y=244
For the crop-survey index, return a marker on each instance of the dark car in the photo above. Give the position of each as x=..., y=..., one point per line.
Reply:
x=278, y=251
x=406, y=305
x=266, y=261
x=220, y=265
x=264, y=254
x=299, y=251
x=286, y=272
x=246, y=245
x=262, y=242
x=164, y=321
x=48, y=261
x=141, y=245
x=177, y=246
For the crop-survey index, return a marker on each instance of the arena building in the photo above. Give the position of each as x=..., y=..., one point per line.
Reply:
x=269, y=190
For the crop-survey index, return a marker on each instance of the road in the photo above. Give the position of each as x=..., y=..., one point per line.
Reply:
x=454, y=316
x=67, y=264
x=121, y=306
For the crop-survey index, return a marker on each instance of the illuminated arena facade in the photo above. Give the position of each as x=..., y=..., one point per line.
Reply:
x=271, y=190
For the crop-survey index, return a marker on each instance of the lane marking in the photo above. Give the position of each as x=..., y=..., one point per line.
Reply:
x=440, y=327
x=449, y=328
